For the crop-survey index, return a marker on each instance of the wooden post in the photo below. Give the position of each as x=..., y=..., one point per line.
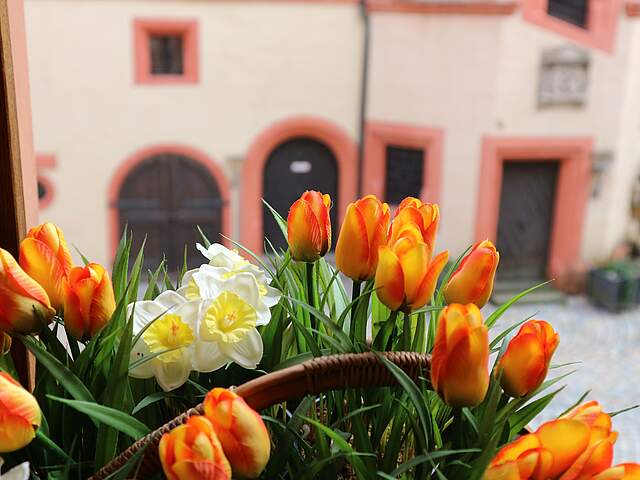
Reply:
x=14, y=217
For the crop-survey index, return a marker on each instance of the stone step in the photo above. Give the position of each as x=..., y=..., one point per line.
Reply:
x=504, y=290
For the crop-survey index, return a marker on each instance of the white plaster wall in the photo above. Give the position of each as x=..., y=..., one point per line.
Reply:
x=259, y=63
x=477, y=76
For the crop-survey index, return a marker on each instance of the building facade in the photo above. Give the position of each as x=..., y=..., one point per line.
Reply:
x=521, y=119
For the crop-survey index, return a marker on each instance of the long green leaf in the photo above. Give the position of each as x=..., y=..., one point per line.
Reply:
x=493, y=318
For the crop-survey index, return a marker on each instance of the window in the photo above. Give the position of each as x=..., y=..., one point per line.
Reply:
x=404, y=173
x=572, y=11
x=591, y=23
x=166, y=51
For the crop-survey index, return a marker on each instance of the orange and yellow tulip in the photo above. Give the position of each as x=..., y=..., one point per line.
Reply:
x=523, y=459
x=591, y=414
x=625, y=471
x=309, y=226
x=20, y=415
x=406, y=276
x=241, y=431
x=472, y=282
x=525, y=362
x=44, y=256
x=459, y=362
x=192, y=452
x=363, y=232
x=24, y=305
x=89, y=301
x=412, y=212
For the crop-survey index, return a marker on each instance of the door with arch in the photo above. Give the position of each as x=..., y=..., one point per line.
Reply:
x=294, y=166
x=164, y=197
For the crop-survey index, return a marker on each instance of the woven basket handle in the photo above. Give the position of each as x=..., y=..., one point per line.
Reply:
x=322, y=374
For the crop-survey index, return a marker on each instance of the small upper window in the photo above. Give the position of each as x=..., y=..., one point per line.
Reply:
x=404, y=173
x=572, y=11
x=166, y=54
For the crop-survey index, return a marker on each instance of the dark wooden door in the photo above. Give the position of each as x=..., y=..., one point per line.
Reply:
x=526, y=218
x=294, y=166
x=572, y=11
x=165, y=197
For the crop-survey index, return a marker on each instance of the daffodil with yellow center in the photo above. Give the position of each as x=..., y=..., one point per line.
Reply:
x=166, y=347
x=228, y=319
x=168, y=334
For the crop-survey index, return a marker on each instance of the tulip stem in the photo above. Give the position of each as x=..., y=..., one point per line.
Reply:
x=310, y=293
x=355, y=295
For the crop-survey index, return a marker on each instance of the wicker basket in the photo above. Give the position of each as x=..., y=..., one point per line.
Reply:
x=322, y=374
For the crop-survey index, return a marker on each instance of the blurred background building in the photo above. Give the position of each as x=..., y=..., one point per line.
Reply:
x=520, y=118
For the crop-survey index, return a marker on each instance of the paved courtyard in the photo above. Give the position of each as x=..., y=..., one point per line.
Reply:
x=608, y=345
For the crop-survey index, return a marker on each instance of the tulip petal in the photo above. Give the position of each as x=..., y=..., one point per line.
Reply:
x=304, y=234
x=352, y=249
x=389, y=280
x=247, y=352
x=415, y=264
x=512, y=451
x=523, y=365
x=430, y=281
x=43, y=266
x=566, y=440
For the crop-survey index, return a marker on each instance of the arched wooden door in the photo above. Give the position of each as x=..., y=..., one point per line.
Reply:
x=165, y=197
x=294, y=166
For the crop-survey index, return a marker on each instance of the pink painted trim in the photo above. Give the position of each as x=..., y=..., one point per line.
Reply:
x=113, y=190
x=19, y=56
x=572, y=190
x=446, y=8
x=602, y=22
x=632, y=8
x=378, y=135
x=143, y=28
x=46, y=160
x=336, y=139
x=50, y=190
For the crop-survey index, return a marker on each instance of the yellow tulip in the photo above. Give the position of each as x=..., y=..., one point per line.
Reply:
x=24, y=305
x=525, y=362
x=363, y=232
x=89, y=301
x=459, y=362
x=241, y=431
x=20, y=415
x=472, y=282
x=309, y=227
x=44, y=256
x=193, y=452
x=413, y=212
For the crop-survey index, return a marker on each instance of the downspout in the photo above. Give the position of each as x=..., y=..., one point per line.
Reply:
x=363, y=93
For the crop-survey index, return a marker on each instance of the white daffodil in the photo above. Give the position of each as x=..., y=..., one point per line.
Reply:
x=167, y=345
x=229, y=313
x=229, y=262
x=19, y=472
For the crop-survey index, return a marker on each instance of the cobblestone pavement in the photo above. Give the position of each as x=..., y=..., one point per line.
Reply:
x=608, y=345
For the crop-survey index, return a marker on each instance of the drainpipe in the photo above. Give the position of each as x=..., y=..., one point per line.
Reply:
x=363, y=92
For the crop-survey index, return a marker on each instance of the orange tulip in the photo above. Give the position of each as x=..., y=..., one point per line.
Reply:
x=309, y=226
x=412, y=212
x=20, y=415
x=241, y=431
x=406, y=276
x=472, y=282
x=520, y=460
x=363, y=232
x=44, y=256
x=566, y=440
x=592, y=415
x=625, y=471
x=89, y=301
x=525, y=362
x=24, y=305
x=192, y=452
x=460, y=356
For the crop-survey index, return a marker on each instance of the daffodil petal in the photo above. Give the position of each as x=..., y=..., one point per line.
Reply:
x=207, y=357
x=171, y=375
x=247, y=352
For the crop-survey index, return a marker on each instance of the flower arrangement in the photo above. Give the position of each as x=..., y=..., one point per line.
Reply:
x=120, y=355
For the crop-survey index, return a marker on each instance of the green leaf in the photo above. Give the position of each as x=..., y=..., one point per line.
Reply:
x=523, y=417
x=493, y=318
x=108, y=416
x=151, y=399
x=62, y=374
x=50, y=445
x=282, y=223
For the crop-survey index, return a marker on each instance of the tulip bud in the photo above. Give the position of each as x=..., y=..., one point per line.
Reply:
x=625, y=471
x=241, y=431
x=44, y=256
x=525, y=362
x=363, y=232
x=406, y=276
x=192, y=452
x=20, y=415
x=412, y=212
x=89, y=301
x=309, y=226
x=24, y=305
x=460, y=356
x=472, y=282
